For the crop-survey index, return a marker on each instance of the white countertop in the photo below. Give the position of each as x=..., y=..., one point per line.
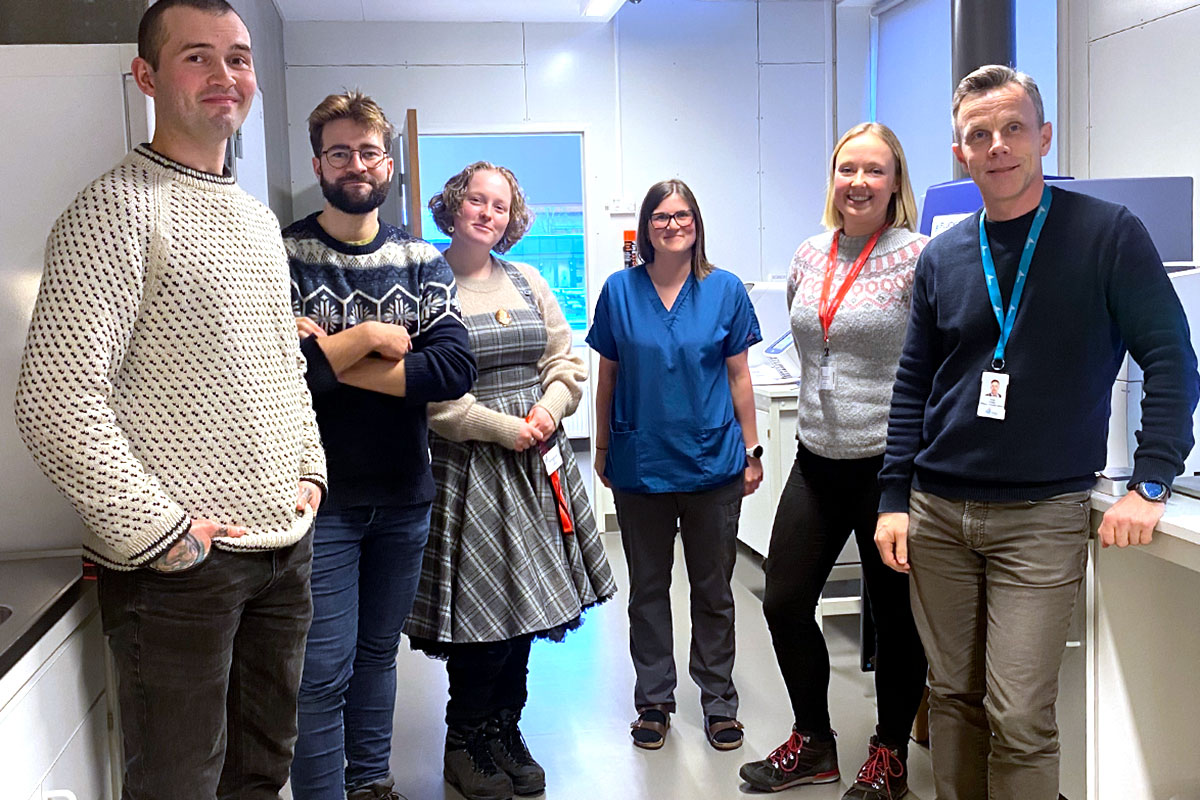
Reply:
x=1177, y=535
x=773, y=390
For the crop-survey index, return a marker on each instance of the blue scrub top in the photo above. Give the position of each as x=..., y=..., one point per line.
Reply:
x=671, y=425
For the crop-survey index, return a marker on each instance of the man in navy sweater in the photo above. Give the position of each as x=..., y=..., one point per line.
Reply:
x=383, y=336
x=985, y=497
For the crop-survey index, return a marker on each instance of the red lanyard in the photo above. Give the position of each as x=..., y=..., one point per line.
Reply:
x=560, y=500
x=826, y=309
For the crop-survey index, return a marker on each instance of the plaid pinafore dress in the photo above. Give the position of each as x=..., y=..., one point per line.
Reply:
x=497, y=564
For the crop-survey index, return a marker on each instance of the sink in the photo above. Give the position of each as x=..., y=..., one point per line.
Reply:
x=5, y=613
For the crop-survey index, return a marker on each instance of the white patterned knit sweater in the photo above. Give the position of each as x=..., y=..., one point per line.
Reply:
x=162, y=378
x=865, y=339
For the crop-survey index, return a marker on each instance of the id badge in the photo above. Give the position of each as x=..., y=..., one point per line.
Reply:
x=828, y=372
x=993, y=394
x=551, y=456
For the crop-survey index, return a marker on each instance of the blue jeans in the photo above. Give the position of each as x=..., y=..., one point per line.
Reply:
x=209, y=661
x=366, y=564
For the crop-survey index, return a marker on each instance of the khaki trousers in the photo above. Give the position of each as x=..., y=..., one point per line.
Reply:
x=993, y=589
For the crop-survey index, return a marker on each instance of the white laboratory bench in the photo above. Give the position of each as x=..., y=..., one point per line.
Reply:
x=1129, y=708
x=1143, y=647
x=55, y=720
x=775, y=415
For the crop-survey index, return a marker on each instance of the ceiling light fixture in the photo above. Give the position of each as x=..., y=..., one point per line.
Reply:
x=599, y=8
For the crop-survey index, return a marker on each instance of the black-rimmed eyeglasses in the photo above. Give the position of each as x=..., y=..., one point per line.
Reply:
x=339, y=157
x=682, y=219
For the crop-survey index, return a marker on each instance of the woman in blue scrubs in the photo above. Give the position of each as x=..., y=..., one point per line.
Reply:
x=676, y=442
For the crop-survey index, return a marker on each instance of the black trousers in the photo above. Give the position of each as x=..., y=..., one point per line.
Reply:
x=486, y=677
x=823, y=501
x=209, y=662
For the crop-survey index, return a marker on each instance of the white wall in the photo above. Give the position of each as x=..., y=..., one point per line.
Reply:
x=729, y=96
x=914, y=80
x=1132, y=94
x=266, y=32
x=1128, y=106
x=853, y=66
x=913, y=86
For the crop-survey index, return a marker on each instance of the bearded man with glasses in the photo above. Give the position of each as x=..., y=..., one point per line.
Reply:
x=381, y=330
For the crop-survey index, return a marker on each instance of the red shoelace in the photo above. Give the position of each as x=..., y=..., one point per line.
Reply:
x=880, y=767
x=784, y=757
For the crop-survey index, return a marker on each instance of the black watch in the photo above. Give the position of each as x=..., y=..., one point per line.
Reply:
x=1154, y=491
x=754, y=452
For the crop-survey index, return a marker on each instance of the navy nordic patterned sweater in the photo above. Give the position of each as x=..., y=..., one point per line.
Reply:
x=1096, y=287
x=376, y=444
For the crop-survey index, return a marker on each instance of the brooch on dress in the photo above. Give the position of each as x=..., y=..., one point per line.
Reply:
x=503, y=317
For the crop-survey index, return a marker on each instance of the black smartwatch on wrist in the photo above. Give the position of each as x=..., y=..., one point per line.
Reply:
x=1154, y=491
x=754, y=452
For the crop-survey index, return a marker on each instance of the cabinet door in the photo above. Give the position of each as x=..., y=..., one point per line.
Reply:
x=39, y=723
x=758, y=510
x=82, y=769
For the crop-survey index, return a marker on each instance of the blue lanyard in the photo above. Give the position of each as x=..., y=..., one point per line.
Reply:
x=993, y=285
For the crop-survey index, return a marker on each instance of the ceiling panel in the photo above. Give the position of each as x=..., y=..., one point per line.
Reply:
x=440, y=11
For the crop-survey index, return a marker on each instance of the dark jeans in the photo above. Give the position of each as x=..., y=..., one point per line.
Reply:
x=366, y=564
x=823, y=501
x=486, y=677
x=209, y=662
x=708, y=525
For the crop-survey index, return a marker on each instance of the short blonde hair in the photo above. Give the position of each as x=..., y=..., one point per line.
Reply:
x=350, y=104
x=446, y=203
x=902, y=208
x=988, y=78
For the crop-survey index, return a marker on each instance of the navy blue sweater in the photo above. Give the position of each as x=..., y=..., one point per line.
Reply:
x=1096, y=286
x=376, y=445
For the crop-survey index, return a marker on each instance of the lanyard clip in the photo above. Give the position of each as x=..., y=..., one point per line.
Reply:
x=997, y=364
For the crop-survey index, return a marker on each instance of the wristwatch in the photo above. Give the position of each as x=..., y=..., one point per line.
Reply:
x=754, y=452
x=1154, y=491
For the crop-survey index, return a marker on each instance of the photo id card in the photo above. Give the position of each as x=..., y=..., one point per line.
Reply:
x=993, y=394
x=828, y=372
x=551, y=456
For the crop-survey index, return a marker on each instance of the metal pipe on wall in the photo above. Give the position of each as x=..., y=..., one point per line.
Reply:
x=981, y=32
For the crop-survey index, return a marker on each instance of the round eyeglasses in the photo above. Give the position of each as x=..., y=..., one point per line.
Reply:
x=339, y=157
x=682, y=219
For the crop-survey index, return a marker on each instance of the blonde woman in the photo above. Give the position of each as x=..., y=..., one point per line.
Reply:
x=848, y=293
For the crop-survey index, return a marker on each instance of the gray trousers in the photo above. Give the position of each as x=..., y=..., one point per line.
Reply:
x=993, y=589
x=707, y=523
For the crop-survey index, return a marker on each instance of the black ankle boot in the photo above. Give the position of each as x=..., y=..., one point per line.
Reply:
x=469, y=767
x=507, y=746
x=883, y=776
x=379, y=790
x=802, y=759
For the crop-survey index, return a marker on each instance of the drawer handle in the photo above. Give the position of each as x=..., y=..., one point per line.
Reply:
x=59, y=794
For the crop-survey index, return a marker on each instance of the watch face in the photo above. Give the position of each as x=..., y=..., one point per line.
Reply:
x=754, y=452
x=1152, y=490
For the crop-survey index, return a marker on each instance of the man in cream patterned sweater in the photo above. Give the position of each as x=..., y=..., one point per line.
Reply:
x=163, y=392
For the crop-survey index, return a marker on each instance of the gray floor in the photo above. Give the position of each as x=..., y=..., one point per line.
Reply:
x=580, y=706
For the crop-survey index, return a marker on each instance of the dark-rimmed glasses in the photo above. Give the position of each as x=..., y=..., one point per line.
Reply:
x=682, y=219
x=339, y=157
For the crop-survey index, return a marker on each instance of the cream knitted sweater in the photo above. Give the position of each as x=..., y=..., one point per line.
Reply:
x=162, y=378
x=562, y=371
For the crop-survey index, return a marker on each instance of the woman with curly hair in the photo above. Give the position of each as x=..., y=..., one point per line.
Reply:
x=513, y=551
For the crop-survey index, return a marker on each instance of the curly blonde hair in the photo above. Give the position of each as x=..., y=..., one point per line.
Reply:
x=446, y=203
